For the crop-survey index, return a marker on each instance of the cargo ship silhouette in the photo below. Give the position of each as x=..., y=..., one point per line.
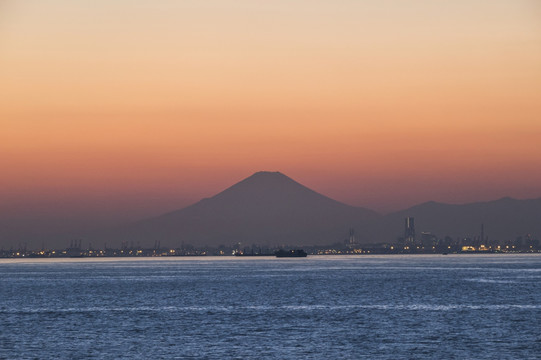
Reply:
x=290, y=253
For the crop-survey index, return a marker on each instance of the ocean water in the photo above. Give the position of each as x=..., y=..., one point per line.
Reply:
x=320, y=307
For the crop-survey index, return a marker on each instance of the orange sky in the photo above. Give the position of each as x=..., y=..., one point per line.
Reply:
x=130, y=108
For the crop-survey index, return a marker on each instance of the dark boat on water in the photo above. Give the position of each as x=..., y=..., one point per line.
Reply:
x=290, y=253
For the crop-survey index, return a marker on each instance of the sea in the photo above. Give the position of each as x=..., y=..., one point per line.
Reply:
x=468, y=306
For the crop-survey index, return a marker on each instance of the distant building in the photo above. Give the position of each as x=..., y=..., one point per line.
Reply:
x=351, y=242
x=483, y=240
x=428, y=240
x=409, y=230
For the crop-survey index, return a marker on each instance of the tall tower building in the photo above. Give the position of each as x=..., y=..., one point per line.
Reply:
x=409, y=230
x=483, y=234
x=351, y=242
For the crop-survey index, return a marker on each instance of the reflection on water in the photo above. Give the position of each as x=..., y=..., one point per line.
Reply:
x=388, y=307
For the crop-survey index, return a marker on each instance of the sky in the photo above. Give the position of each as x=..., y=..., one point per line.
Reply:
x=118, y=110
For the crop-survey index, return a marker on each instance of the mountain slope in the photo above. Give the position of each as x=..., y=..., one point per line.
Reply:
x=265, y=208
x=503, y=219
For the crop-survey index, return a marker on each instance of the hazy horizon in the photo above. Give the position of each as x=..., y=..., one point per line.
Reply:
x=97, y=213
x=116, y=111
x=268, y=206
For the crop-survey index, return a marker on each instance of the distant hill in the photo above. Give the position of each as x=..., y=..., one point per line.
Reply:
x=265, y=208
x=271, y=208
x=503, y=219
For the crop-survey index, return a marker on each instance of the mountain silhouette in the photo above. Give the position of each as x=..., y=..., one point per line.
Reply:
x=503, y=219
x=271, y=208
x=265, y=208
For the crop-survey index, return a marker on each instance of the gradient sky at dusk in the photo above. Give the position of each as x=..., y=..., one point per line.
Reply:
x=123, y=109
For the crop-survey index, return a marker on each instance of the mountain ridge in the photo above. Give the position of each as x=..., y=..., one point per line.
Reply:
x=504, y=219
x=272, y=208
x=266, y=207
x=232, y=192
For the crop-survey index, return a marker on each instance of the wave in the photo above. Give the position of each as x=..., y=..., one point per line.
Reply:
x=262, y=308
